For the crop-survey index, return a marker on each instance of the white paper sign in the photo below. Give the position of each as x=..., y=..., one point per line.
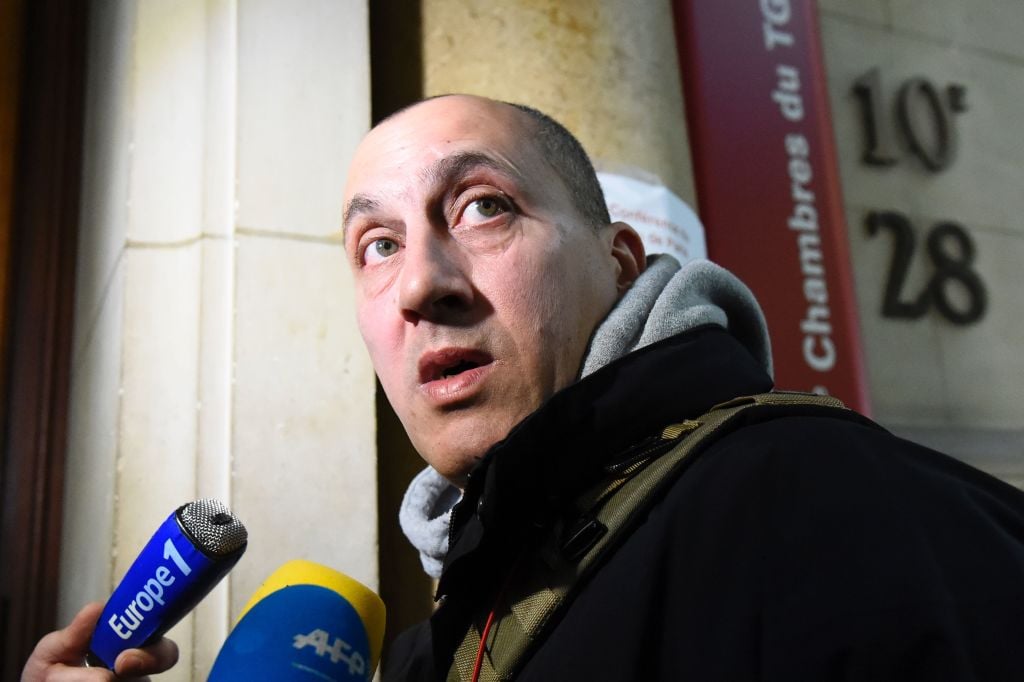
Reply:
x=665, y=223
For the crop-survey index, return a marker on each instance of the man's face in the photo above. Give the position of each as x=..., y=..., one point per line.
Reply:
x=478, y=284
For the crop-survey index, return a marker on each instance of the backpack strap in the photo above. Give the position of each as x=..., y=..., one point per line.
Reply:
x=547, y=577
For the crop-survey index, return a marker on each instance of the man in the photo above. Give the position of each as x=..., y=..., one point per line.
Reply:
x=490, y=283
x=532, y=351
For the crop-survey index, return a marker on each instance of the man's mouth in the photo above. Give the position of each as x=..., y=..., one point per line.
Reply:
x=450, y=362
x=458, y=369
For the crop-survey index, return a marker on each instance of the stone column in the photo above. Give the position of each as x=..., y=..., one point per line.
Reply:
x=606, y=69
x=215, y=351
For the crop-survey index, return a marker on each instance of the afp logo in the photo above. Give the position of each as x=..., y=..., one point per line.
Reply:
x=339, y=650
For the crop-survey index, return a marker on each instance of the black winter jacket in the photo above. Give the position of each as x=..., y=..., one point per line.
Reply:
x=800, y=548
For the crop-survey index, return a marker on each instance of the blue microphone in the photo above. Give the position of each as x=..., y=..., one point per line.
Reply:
x=187, y=556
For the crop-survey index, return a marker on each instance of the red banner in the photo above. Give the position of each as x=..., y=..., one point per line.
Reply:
x=767, y=181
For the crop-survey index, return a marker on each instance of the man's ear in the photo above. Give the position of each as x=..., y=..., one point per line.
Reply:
x=628, y=252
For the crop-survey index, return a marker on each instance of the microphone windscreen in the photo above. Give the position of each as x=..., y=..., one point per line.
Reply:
x=306, y=622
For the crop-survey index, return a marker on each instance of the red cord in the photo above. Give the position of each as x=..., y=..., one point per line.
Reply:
x=480, y=649
x=490, y=620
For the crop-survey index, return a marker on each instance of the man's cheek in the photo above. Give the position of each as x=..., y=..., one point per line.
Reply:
x=382, y=333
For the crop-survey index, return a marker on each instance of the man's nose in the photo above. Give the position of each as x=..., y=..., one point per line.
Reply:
x=434, y=284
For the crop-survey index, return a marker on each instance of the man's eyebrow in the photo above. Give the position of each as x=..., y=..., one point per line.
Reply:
x=357, y=205
x=442, y=172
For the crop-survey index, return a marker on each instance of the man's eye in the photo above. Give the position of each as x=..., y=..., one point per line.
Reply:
x=379, y=249
x=483, y=209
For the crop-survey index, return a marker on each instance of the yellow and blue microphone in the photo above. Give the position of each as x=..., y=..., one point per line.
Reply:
x=305, y=622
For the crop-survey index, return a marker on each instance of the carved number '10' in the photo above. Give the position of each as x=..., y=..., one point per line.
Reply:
x=950, y=268
x=922, y=116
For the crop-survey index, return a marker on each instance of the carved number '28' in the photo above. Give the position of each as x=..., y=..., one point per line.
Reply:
x=949, y=268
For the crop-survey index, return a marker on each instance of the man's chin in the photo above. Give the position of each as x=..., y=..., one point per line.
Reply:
x=457, y=459
x=455, y=446
x=455, y=471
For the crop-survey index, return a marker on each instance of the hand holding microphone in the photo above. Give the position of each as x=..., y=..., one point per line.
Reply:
x=306, y=622
x=186, y=557
x=59, y=655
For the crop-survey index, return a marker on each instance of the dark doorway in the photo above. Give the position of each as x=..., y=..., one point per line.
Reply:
x=42, y=53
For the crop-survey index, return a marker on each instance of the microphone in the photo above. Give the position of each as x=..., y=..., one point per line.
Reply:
x=186, y=557
x=306, y=622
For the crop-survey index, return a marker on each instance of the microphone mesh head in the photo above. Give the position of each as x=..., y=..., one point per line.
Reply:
x=212, y=525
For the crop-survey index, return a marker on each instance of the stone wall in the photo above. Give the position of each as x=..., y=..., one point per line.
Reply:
x=956, y=387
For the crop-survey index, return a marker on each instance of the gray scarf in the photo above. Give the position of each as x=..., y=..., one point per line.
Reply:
x=664, y=301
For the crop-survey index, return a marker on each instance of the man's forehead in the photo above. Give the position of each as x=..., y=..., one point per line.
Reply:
x=439, y=124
